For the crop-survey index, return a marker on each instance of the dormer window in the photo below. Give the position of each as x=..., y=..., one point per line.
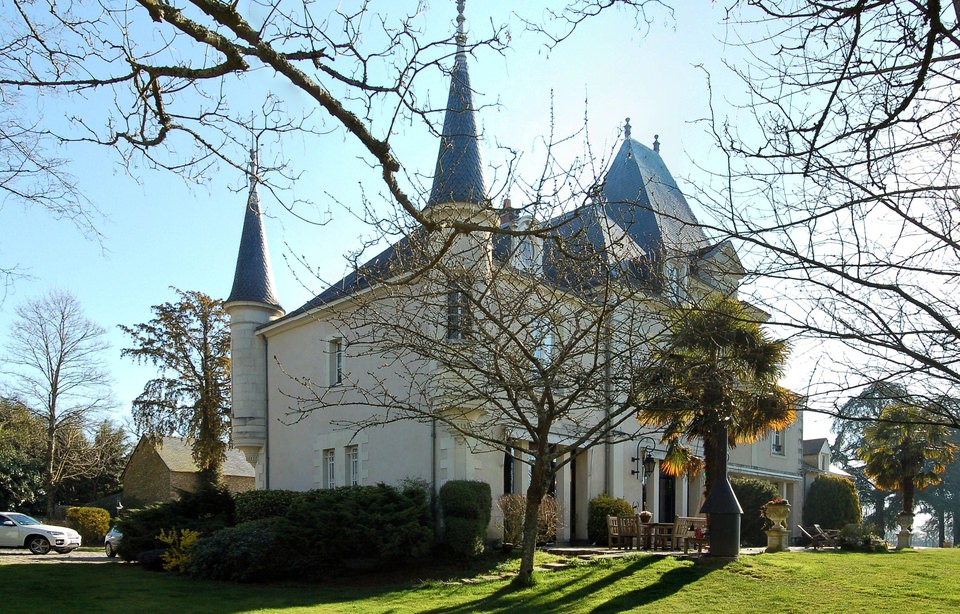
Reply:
x=526, y=248
x=674, y=278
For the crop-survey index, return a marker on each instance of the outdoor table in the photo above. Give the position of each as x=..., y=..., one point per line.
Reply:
x=654, y=532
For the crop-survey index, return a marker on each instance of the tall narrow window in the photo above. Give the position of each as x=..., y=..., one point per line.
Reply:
x=336, y=362
x=353, y=465
x=329, y=469
x=777, y=447
x=458, y=314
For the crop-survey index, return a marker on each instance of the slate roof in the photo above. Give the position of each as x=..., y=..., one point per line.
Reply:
x=177, y=455
x=641, y=215
x=643, y=198
x=813, y=446
x=459, y=172
x=253, y=277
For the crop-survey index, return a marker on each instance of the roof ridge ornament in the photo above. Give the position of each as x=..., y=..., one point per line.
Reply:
x=656, y=143
x=626, y=129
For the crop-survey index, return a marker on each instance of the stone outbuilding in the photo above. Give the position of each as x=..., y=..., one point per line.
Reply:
x=160, y=472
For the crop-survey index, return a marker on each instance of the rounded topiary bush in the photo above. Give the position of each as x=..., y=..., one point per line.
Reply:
x=92, y=523
x=832, y=503
x=752, y=494
x=465, y=507
x=598, y=510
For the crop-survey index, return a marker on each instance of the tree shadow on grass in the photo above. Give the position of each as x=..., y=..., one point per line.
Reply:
x=511, y=598
x=668, y=584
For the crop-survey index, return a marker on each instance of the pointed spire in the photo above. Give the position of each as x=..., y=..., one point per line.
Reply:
x=459, y=172
x=253, y=279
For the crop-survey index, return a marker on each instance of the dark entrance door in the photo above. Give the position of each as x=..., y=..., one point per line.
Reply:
x=668, y=498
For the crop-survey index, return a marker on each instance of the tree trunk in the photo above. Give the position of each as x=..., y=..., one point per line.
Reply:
x=941, y=527
x=49, y=478
x=880, y=511
x=907, y=491
x=538, y=486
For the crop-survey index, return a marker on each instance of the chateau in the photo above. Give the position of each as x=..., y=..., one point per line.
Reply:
x=328, y=394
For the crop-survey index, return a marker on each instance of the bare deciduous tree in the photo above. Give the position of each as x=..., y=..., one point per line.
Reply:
x=55, y=363
x=842, y=182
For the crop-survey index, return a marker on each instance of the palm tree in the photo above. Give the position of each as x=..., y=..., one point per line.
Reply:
x=903, y=451
x=714, y=379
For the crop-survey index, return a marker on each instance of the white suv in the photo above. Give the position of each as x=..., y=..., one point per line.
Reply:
x=22, y=531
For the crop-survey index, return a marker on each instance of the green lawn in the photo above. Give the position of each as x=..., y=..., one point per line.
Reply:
x=907, y=582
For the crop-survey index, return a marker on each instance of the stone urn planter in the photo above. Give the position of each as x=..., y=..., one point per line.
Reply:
x=645, y=516
x=777, y=513
x=904, y=537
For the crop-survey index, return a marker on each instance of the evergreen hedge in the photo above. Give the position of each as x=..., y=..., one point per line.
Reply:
x=832, y=503
x=465, y=507
x=597, y=511
x=752, y=494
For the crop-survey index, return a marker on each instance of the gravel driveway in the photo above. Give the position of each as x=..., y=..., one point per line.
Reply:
x=19, y=557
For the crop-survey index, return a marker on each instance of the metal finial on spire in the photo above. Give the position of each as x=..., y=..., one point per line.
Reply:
x=461, y=31
x=626, y=129
x=254, y=164
x=656, y=143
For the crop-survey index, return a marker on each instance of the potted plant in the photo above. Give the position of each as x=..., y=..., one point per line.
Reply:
x=776, y=511
x=645, y=516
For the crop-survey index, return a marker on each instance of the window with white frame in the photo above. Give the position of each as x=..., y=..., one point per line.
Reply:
x=544, y=342
x=336, y=362
x=458, y=314
x=329, y=468
x=776, y=446
x=353, y=465
x=674, y=274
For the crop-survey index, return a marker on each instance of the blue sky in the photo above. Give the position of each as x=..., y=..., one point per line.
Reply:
x=161, y=232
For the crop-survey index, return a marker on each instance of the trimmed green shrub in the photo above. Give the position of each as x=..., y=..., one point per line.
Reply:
x=752, y=494
x=255, y=551
x=378, y=524
x=465, y=507
x=259, y=504
x=92, y=523
x=597, y=511
x=832, y=502
x=207, y=510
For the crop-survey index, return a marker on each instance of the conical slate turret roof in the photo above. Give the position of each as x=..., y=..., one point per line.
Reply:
x=459, y=172
x=253, y=278
x=643, y=198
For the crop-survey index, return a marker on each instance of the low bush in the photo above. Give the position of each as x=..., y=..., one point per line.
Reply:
x=207, y=510
x=597, y=511
x=859, y=538
x=259, y=504
x=179, y=543
x=752, y=495
x=513, y=507
x=465, y=507
x=254, y=551
x=92, y=523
